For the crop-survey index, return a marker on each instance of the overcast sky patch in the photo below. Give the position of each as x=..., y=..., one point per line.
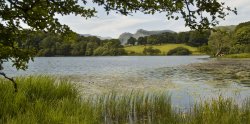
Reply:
x=114, y=24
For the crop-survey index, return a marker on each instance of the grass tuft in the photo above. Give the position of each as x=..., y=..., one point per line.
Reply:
x=240, y=55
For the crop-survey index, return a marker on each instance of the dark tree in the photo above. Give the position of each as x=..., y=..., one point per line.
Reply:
x=197, y=38
x=131, y=41
x=183, y=37
x=142, y=41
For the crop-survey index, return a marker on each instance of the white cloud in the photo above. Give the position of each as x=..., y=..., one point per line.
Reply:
x=115, y=24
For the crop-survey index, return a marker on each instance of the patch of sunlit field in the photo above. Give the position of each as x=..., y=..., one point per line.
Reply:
x=164, y=48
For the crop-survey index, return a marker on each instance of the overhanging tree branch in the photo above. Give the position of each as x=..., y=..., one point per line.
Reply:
x=10, y=79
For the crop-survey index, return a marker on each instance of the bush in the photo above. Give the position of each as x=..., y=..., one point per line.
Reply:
x=179, y=51
x=204, y=49
x=151, y=51
x=131, y=52
x=104, y=51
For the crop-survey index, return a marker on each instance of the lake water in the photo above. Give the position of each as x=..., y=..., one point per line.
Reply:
x=124, y=65
x=98, y=75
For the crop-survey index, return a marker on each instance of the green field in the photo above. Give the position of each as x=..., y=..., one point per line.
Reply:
x=138, y=50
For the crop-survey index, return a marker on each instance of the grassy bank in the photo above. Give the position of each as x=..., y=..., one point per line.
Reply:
x=240, y=55
x=164, y=48
x=47, y=100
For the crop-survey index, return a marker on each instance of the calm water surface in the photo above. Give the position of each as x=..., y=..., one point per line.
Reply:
x=101, y=65
x=147, y=73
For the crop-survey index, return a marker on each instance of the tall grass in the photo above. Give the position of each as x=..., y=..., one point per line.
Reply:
x=47, y=100
x=39, y=100
x=220, y=111
x=134, y=107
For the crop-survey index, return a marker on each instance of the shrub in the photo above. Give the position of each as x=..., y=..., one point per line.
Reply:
x=151, y=51
x=104, y=51
x=179, y=51
x=132, y=52
x=204, y=49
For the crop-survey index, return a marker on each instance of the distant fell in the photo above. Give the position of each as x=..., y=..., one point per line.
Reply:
x=143, y=33
x=229, y=27
x=102, y=38
x=124, y=37
x=140, y=33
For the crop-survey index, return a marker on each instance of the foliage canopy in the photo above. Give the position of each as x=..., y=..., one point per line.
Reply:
x=229, y=40
x=219, y=41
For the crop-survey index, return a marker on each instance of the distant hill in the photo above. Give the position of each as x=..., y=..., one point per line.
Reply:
x=140, y=33
x=124, y=37
x=229, y=27
x=102, y=38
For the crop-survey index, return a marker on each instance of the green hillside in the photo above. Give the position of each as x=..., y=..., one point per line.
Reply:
x=138, y=50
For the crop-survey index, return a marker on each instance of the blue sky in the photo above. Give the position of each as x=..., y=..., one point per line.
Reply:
x=113, y=25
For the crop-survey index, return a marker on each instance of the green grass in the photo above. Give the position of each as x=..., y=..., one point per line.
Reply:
x=164, y=48
x=47, y=100
x=240, y=55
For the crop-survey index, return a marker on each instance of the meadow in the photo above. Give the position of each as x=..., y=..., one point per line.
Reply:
x=43, y=99
x=164, y=48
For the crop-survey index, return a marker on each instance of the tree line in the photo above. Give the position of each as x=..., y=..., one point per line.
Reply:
x=192, y=38
x=227, y=40
x=72, y=44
